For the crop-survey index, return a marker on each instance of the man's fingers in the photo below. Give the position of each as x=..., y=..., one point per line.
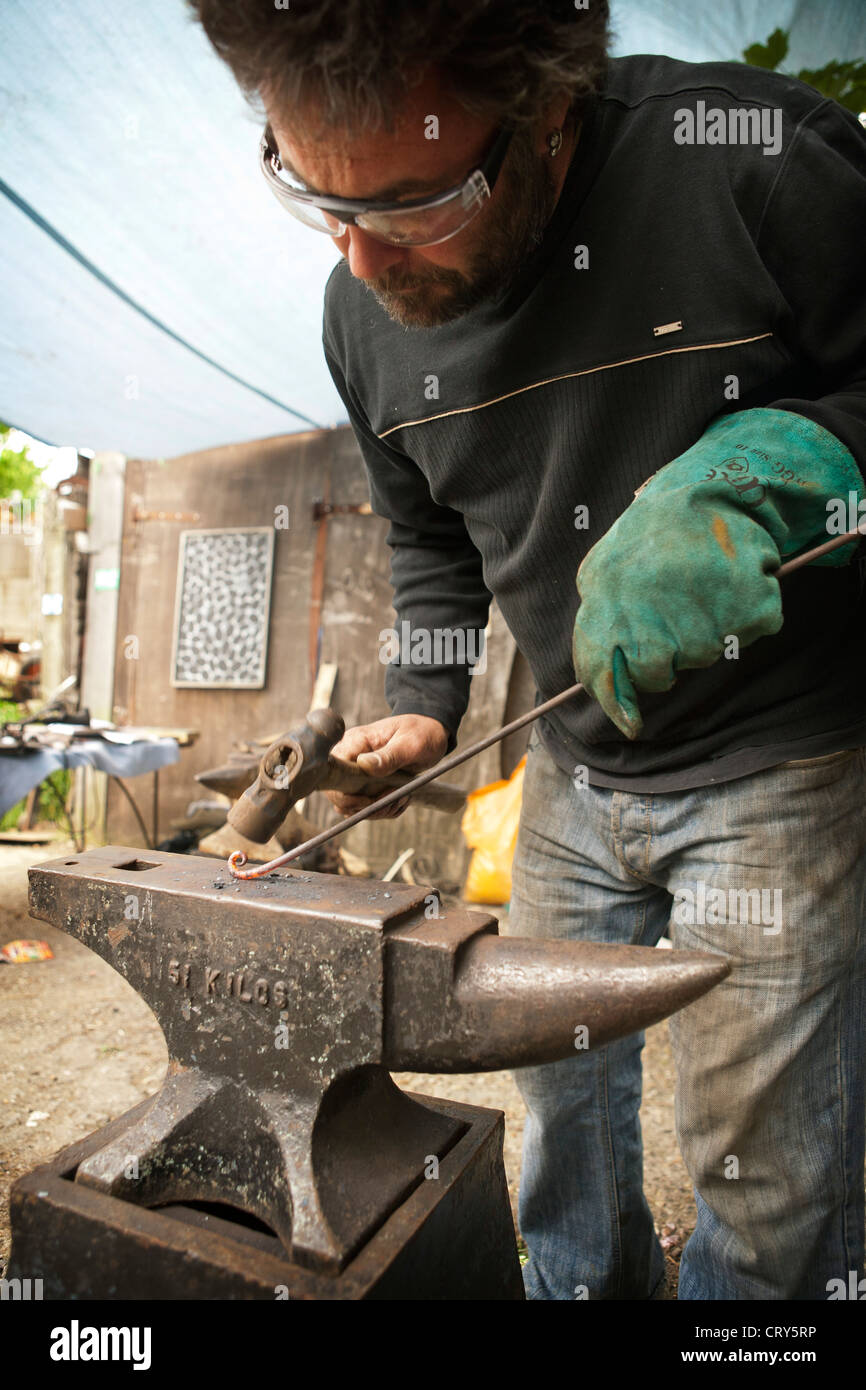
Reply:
x=346, y=805
x=607, y=678
x=392, y=812
x=374, y=762
x=401, y=751
x=618, y=697
x=403, y=742
x=359, y=740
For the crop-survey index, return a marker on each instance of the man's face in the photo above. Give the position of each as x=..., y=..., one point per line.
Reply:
x=422, y=286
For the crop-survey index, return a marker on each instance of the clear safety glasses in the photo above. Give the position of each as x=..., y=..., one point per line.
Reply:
x=411, y=222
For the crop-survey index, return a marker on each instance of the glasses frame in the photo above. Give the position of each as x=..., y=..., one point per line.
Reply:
x=477, y=187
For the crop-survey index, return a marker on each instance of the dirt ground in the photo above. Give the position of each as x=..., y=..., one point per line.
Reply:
x=78, y=1047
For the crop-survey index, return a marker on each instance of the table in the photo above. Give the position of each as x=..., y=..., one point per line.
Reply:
x=19, y=772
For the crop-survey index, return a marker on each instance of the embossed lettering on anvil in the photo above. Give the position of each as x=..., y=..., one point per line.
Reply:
x=178, y=974
x=213, y=983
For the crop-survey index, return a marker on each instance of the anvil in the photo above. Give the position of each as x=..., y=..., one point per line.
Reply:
x=286, y=1001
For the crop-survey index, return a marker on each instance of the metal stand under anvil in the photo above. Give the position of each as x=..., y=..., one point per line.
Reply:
x=279, y=1159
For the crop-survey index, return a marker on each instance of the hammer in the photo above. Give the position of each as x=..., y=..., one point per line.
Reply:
x=301, y=762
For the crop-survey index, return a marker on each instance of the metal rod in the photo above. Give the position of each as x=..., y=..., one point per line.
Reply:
x=238, y=858
x=835, y=544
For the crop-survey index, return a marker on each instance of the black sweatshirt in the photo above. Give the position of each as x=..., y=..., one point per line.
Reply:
x=558, y=395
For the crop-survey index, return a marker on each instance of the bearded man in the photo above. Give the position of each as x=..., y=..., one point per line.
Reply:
x=605, y=320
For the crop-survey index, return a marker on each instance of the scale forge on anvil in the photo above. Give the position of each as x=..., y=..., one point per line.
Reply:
x=279, y=1158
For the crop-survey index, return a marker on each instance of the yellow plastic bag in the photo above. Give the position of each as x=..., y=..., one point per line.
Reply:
x=489, y=827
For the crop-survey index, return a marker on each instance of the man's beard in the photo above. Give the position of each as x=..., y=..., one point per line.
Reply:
x=437, y=294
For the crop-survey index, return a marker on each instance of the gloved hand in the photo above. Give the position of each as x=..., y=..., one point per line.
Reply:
x=689, y=563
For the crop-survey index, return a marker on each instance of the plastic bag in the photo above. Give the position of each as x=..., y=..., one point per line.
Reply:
x=489, y=827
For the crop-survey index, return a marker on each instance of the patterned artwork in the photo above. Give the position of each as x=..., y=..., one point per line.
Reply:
x=222, y=608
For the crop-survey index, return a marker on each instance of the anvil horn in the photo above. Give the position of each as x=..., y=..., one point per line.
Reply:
x=516, y=1002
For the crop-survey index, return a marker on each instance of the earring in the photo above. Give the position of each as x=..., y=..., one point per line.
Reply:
x=554, y=141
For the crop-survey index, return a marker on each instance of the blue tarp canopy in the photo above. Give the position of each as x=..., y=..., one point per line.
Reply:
x=156, y=299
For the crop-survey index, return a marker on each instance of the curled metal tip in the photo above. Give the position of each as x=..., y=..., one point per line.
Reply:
x=236, y=859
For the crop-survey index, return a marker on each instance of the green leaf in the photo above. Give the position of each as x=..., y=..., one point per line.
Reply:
x=769, y=54
x=18, y=472
x=844, y=82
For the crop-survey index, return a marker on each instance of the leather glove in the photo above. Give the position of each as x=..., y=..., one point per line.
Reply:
x=689, y=563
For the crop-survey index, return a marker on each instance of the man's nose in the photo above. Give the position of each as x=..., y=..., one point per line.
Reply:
x=368, y=259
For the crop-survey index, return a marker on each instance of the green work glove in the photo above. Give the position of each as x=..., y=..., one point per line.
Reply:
x=690, y=562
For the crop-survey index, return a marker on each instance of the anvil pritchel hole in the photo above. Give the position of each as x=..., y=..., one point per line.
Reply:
x=137, y=865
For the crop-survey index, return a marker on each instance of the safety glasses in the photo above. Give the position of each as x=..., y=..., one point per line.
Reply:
x=411, y=222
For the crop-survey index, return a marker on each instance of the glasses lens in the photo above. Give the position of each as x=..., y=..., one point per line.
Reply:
x=423, y=226
x=427, y=226
x=311, y=216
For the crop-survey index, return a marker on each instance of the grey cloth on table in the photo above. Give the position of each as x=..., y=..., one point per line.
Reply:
x=21, y=771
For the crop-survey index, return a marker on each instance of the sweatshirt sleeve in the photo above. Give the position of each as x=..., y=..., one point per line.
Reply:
x=436, y=575
x=812, y=238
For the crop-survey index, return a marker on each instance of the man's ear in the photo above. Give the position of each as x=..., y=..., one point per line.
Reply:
x=559, y=117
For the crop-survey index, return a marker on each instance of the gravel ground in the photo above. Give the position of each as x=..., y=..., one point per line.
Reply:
x=79, y=1047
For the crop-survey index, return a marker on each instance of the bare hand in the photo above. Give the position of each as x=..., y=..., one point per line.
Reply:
x=410, y=741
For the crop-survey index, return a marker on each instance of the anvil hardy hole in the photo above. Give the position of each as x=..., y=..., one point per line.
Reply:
x=137, y=865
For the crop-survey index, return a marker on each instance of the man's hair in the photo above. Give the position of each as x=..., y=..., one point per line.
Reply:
x=355, y=59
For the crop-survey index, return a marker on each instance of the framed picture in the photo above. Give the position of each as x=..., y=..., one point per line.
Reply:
x=222, y=608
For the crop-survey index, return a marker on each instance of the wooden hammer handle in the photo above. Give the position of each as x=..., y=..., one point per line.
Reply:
x=343, y=776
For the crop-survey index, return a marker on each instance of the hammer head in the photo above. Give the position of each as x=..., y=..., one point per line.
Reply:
x=292, y=767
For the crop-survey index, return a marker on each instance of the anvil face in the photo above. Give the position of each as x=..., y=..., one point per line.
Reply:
x=286, y=1000
x=223, y=966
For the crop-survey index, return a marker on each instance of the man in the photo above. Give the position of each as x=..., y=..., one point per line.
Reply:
x=566, y=283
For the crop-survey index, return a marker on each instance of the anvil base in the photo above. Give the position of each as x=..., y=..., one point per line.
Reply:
x=451, y=1238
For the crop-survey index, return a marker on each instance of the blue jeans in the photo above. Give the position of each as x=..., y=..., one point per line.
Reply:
x=770, y=1100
